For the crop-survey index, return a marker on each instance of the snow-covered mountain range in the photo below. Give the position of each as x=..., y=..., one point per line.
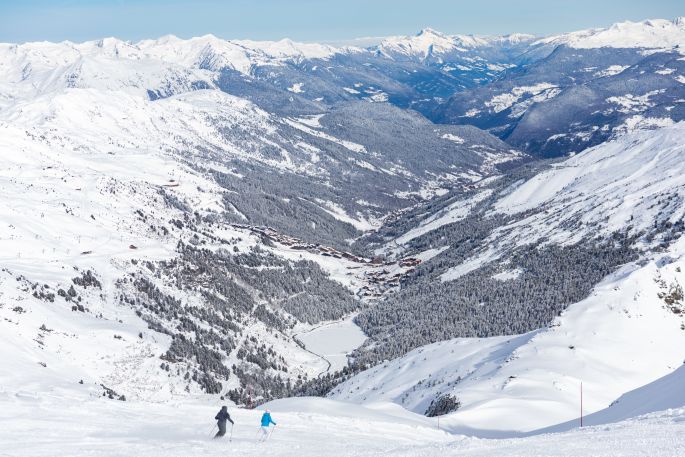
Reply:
x=581, y=89
x=439, y=225
x=132, y=156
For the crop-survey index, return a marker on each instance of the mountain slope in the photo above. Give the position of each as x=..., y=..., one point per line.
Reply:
x=574, y=99
x=626, y=334
x=177, y=212
x=308, y=427
x=517, y=252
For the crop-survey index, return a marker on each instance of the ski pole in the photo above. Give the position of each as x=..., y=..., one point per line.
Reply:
x=230, y=438
x=212, y=429
x=272, y=432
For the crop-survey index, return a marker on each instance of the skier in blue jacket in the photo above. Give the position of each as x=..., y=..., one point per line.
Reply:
x=266, y=422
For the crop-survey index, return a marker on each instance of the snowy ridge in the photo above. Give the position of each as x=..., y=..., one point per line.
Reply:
x=214, y=53
x=655, y=33
x=158, y=68
x=207, y=51
x=429, y=42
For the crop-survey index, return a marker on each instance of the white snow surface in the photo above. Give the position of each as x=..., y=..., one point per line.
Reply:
x=209, y=52
x=79, y=424
x=452, y=213
x=666, y=393
x=539, y=92
x=508, y=275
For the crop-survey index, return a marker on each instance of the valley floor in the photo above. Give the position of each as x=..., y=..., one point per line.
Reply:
x=61, y=424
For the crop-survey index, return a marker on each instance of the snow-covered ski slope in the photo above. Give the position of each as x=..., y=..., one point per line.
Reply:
x=74, y=424
x=665, y=393
x=32, y=62
x=68, y=423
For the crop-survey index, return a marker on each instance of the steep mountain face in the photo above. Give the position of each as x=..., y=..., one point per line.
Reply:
x=593, y=86
x=649, y=34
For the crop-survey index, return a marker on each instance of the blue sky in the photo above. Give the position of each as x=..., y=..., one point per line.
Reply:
x=310, y=20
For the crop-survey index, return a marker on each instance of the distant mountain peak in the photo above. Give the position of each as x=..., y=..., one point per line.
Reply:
x=430, y=42
x=431, y=32
x=651, y=33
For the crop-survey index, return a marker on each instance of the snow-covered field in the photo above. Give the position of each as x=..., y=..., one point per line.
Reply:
x=72, y=423
x=660, y=395
x=334, y=341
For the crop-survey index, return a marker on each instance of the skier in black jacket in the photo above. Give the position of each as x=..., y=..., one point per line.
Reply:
x=221, y=419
